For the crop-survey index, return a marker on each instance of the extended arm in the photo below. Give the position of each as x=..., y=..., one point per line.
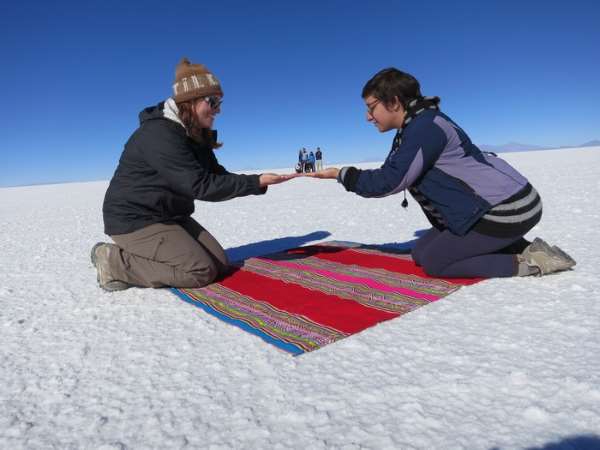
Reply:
x=420, y=148
x=168, y=153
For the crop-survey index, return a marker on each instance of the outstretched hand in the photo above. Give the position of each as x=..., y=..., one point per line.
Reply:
x=267, y=179
x=331, y=172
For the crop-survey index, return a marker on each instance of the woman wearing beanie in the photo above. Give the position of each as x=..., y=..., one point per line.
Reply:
x=167, y=163
x=479, y=206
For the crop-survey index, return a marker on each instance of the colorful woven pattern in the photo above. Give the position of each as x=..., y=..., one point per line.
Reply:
x=304, y=298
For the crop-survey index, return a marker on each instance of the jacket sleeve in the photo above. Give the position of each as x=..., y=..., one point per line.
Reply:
x=167, y=151
x=215, y=166
x=422, y=143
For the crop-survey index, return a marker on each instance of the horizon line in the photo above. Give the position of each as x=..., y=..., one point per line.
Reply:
x=52, y=183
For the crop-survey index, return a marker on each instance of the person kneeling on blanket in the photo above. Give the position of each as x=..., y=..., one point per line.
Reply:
x=479, y=206
x=167, y=163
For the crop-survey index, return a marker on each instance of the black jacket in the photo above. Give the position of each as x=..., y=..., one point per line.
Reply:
x=160, y=174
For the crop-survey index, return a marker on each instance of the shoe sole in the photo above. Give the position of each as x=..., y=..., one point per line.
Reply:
x=114, y=286
x=541, y=246
x=555, y=250
x=558, y=251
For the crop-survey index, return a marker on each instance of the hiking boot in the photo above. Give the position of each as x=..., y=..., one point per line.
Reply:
x=100, y=254
x=547, y=259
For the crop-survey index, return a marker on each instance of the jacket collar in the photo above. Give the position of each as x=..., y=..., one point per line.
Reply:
x=171, y=111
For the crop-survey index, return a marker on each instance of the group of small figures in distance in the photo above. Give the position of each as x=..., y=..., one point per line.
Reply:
x=309, y=161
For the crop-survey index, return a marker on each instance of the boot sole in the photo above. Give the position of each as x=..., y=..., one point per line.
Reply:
x=541, y=247
x=558, y=251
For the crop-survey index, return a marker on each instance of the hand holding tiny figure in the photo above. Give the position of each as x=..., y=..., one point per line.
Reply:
x=267, y=179
x=331, y=172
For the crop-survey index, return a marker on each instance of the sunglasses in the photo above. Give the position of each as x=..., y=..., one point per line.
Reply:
x=213, y=101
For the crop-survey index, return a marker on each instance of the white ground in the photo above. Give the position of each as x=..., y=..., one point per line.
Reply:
x=507, y=363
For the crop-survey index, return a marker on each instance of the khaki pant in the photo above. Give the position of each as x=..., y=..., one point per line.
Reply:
x=177, y=255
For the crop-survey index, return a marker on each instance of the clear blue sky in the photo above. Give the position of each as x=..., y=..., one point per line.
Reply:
x=75, y=75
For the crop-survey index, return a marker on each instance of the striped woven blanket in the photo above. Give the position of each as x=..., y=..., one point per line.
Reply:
x=307, y=297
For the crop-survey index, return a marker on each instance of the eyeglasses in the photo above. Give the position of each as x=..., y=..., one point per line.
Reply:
x=372, y=106
x=213, y=101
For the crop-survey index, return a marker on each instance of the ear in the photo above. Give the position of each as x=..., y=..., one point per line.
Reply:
x=194, y=105
x=396, y=105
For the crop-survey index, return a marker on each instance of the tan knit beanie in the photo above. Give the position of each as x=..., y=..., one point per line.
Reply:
x=193, y=81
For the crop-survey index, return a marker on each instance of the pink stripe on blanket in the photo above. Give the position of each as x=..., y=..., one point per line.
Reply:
x=356, y=280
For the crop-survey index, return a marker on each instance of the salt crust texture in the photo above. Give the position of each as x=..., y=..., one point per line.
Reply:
x=507, y=363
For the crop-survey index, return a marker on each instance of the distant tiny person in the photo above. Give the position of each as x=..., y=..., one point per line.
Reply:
x=167, y=163
x=303, y=158
x=319, y=159
x=479, y=206
x=311, y=162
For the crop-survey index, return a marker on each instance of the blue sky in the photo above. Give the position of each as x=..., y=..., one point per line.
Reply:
x=75, y=75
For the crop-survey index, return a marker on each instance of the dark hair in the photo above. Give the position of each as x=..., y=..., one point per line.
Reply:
x=202, y=136
x=387, y=84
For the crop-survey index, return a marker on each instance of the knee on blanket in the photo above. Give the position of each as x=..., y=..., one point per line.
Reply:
x=416, y=256
x=197, y=277
x=433, y=267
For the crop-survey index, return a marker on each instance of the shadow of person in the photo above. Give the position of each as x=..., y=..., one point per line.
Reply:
x=261, y=248
x=582, y=442
x=419, y=233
